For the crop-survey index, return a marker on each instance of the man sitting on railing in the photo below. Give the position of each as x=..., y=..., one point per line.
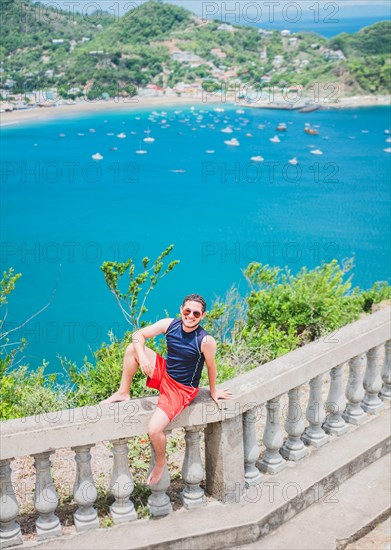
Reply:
x=178, y=377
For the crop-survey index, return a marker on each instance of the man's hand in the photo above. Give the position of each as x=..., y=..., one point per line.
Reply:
x=220, y=394
x=146, y=367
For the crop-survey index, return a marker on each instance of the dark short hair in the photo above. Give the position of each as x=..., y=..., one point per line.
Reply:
x=195, y=298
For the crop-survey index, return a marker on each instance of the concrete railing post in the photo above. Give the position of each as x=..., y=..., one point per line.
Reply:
x=193, y=471
x=224, y=459
x=121, y=484
x=355, y=392
x=385, y=393
x=10, y=534
x=252, y=475
x=84, y=491
x=372, y=404
x=272, y=462
x=294, y=448
x=45, y=498
x=314, y=434
x=159, y=502
x=335, y=404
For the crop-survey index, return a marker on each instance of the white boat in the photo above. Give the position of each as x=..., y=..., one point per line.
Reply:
x=388, y=150
x=388, y=140
x=293, y=161
x=240, y=112
x=275, y=139
x=121, y=135
x=92, y=130
x=257, y=159
x=149, y=139
x=81, y=135
x=97, y=156
x=219, y=110
x=110, y=134
x=316, y=152
x=178, y=171
x=249, y=135
x=232, y=142
x=387, y=131
x=141, y=152
x=210, y=152
x=227, y=130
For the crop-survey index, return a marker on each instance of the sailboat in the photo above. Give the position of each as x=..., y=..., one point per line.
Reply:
x=148, y=139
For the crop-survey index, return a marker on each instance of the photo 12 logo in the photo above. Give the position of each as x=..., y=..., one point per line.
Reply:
x=251, y=13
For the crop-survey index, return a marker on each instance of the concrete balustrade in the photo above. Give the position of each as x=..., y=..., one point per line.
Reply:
x=193, y=471
x=294, y=448
x=385, y=393
x=121, y=484
x=231, y=445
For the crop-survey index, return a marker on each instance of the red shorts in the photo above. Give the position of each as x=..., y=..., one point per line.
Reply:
x=174, y=397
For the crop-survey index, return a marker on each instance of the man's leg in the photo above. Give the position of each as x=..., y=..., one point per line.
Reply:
x=157, y=424
x=129, y=369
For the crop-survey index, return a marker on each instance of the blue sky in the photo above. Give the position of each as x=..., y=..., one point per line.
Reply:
x=341, y=8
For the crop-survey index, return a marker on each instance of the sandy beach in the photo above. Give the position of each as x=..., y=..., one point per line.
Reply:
x=48, y=113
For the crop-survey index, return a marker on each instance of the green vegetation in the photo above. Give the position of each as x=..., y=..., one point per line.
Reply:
x=114, y=271
x=280, y=313
x=373, y=40
x=98, y=55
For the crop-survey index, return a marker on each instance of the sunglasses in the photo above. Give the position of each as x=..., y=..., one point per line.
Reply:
x=187, y=311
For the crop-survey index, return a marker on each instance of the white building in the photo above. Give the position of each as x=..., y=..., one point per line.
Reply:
x=332, y=55
x=185, y=57
x=285, y=33
x=225, y=27
x=278, y=60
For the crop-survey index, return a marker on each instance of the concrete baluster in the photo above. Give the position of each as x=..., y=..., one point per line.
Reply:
x=294, y=448
x=372, y=404
x=355, y=392
x=10, y=534
x=193, y=495
x=158, y=502
x=314, y=434
x=385, y=393
x=272, y=462
x=224, y=459
x=84, y=491
x=335, y=404
x=121, y=484
x=45, y=498
x=252, y=475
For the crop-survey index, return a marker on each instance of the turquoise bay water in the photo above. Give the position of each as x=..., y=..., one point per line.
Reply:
x=64, y=213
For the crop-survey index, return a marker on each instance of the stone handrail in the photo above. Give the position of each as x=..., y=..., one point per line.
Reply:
x=229, y=430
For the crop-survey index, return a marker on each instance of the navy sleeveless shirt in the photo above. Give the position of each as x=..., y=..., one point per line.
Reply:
x=184, y=357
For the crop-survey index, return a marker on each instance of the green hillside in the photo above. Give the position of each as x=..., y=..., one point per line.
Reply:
x=166, y=45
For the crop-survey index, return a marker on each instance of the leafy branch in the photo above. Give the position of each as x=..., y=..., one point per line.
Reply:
x=132, y=302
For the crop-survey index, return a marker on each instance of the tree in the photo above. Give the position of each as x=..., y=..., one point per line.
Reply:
x=147, y=279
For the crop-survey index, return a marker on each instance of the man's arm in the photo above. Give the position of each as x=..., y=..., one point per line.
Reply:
x=138, y=340
x=208, y=348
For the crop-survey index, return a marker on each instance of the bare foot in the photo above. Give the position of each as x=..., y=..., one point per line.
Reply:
x=116, y=398
x=156, y=475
